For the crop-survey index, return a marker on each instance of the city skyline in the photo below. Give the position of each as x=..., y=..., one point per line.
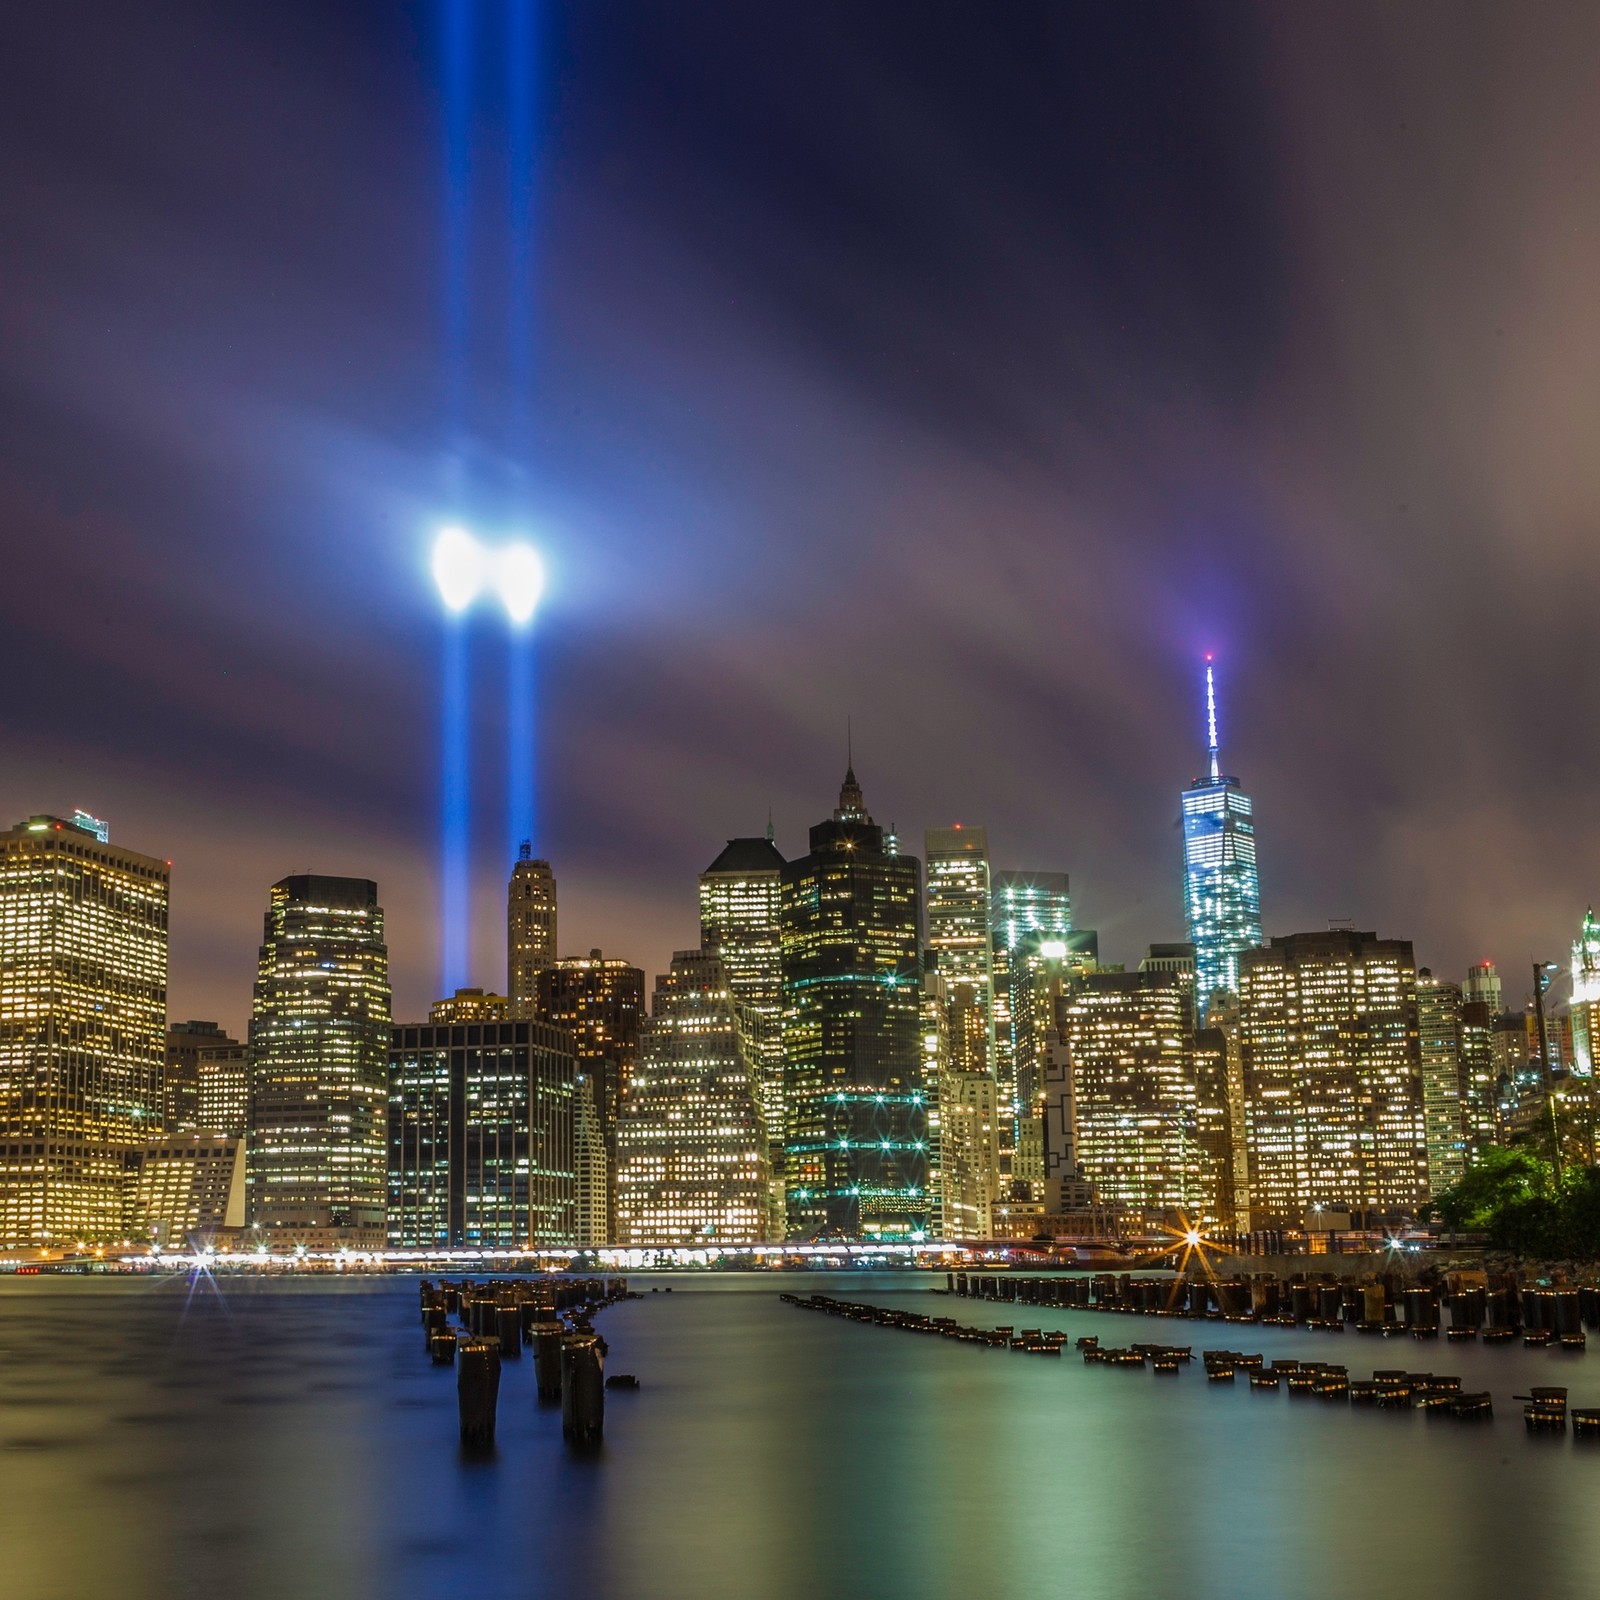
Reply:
x=490, y=928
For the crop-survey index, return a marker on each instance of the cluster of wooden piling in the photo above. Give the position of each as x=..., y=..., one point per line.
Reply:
x=1389, y=1389
x=1383, y=1304
x=553, y=1318
x=1546, y=1411
x=1030, y=1341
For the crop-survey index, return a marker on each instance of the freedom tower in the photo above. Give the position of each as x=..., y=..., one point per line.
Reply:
x=1221, y=891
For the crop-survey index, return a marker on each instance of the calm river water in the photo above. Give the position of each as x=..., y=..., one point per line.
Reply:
x=235, y=1439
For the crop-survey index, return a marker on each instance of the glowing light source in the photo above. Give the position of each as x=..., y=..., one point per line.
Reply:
x=519, y=580
x=458, y=568
x=463, y=569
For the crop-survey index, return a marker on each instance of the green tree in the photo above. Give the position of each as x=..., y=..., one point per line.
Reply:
x=1498, y=1180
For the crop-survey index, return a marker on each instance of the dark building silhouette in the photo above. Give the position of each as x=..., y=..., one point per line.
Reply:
x=480, y=1136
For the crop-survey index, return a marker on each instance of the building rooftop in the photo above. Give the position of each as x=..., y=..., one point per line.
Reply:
x=748, y=855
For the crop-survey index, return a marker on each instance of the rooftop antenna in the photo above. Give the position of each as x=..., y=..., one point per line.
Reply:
x=1211, y=720
x=770, y=833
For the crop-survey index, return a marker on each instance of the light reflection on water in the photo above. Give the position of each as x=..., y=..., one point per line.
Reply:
x=290, y=1438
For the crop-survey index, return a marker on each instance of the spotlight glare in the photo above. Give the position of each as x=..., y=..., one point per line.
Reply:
x=519, y=578
x=457, y=568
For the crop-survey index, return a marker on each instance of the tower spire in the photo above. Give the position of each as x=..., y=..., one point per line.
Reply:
x=1211, y=721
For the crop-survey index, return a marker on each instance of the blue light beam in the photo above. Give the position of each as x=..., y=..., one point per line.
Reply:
x=521, y=755
x=455, y=783
x=455, y=809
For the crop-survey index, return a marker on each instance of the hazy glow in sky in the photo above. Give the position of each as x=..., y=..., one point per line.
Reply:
x=965, y=371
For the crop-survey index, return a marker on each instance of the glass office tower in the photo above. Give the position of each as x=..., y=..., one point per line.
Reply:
x=856, y=1147
x=481, y=1140
x=1221, y=890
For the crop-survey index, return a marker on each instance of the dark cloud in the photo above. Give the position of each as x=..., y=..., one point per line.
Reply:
x=964, y=371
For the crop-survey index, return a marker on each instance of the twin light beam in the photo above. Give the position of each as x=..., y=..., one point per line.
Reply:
x=466, y=570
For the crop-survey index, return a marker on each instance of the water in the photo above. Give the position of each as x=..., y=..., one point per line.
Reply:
x=237, y=1439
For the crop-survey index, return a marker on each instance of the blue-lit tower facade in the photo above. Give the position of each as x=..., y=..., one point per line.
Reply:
x=1221, y=887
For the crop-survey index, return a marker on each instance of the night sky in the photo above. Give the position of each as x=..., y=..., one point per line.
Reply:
x=965, y=371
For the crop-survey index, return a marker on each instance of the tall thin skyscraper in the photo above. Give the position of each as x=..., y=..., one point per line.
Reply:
x=856, y=1150
x=1439, y=1033
x=319, y=1053
x=1027, y=910
x=1221, y=889
x=599, y=1000
x=741, y=895
x=957, y=890
x=530, y=928
x=83, y=1001
x=692, y=1165
x=967, y=1106
x=1478, y=1074
x=1586, y=995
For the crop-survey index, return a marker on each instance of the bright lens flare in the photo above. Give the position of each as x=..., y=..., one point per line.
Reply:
x=519, y=581
x=458, y=568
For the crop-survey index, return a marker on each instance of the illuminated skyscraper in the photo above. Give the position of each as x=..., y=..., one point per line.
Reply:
x=741, y=895
x=591, y=1167
x=530, y=928
x=1483, y=985
x=480, y=1135
x=1586, y=995
x=1220, y=1116
x=1332, y=1077
x=471, y=1005
x=319, y=1047
x=1221, y=890
x=691, y=1141
x=1133, y=1090
x=1042, y=968
x=223, y=1071
x=1478, y=1074
x=180, y=1093
x=958, y=911
x=856, y=1145
x=963, y=1105
x=83, y=1000
x=1440, y=1043
x=599, y=1000
x=1029, y=920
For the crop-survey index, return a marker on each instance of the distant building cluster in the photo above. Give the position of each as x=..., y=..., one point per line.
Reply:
x=865, y=1045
